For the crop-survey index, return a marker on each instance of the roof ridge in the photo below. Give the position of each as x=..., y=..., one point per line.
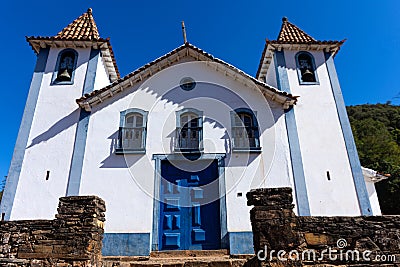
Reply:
x=187, y=45
x=291, y=33
x=82, y=28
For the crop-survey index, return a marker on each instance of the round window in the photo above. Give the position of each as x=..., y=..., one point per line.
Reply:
x=187, y=84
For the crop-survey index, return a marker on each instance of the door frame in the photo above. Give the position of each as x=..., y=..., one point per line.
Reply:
x=220, y=157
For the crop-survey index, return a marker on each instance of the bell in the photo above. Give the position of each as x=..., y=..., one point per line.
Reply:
x=308, y=76
x=64, y=76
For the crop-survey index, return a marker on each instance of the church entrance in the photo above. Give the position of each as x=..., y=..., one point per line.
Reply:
x=189, y=205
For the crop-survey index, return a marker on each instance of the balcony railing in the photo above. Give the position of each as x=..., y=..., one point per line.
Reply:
x=131, y=139
x=188, y=138
x=245, y=138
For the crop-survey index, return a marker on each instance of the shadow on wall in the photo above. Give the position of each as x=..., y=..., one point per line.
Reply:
x=57, y=128
x=216, y=101
x=119, y=161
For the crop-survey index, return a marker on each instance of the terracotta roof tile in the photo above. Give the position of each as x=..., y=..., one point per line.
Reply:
x=82, y=32
x=189, y=46
x=83, y=28
x=293, y=34
x=292, y=37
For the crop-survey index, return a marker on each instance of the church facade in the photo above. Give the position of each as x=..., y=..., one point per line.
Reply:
x=174, y=146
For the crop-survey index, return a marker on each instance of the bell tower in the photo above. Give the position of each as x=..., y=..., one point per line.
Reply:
x=327, y=175
x=51, y=139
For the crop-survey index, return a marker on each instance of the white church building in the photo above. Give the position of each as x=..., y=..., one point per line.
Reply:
x=174, y=146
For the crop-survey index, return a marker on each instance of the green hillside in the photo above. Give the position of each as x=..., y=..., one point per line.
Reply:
x=376, y=130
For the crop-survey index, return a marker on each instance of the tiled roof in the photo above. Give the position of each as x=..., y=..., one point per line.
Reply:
x=293, y=34
x=83, y=28
x=82, y=32
x=164, y=61
x=292, y=37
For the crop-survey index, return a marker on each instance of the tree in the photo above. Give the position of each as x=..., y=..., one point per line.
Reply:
x=376, y=130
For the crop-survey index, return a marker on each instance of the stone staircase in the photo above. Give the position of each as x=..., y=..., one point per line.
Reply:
x=183, y=258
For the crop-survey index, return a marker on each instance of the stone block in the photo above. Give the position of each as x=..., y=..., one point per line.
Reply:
x=313, y=239
x=173, y=264
x=270, y=197
x=65, y=241
x=219, y=263
x=196, y=264
x=276, y=226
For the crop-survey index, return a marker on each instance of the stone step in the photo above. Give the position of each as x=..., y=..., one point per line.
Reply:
x=189, y=253
x=178, y=263
x=183, y=258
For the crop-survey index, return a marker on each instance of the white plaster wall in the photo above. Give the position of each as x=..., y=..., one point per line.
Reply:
x=373, y=198
x=50, y=144
x=101, y=75
x=126, y=182
x=322, y=144
x=271, y=74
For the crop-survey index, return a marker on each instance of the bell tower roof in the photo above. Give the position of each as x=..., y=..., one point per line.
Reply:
x=81, y=33
x=292, y=34
x=82, y=28
x=291, y=37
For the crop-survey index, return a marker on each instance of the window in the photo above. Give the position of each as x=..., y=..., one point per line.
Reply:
x=132, y=131
x=189, y=130
x=245, y=133
x=306, y=68
x=187, y=84
x=65, y=67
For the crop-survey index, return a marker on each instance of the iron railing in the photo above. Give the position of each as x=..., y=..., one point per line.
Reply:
x=245, y=137
x=188, y=138
x=131, y=138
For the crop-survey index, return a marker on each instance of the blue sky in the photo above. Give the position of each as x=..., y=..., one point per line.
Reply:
x=235, y=31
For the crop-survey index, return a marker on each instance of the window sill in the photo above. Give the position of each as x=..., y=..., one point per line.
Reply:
x=247, y=150
x=121, y=151
x=62, y=82
x=189, y=150
x=308, y=83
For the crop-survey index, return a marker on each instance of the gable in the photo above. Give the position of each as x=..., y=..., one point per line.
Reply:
x=181, y=54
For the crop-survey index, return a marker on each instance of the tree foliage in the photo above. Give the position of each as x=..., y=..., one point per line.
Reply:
x=376, y=130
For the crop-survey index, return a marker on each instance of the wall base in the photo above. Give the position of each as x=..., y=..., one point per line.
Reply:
x=241, y=243
x=126, y=244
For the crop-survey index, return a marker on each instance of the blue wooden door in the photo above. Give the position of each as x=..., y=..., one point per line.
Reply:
x=189, y=206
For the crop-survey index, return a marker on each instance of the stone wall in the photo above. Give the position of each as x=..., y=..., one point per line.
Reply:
x=319, y=241
x=74, y=238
